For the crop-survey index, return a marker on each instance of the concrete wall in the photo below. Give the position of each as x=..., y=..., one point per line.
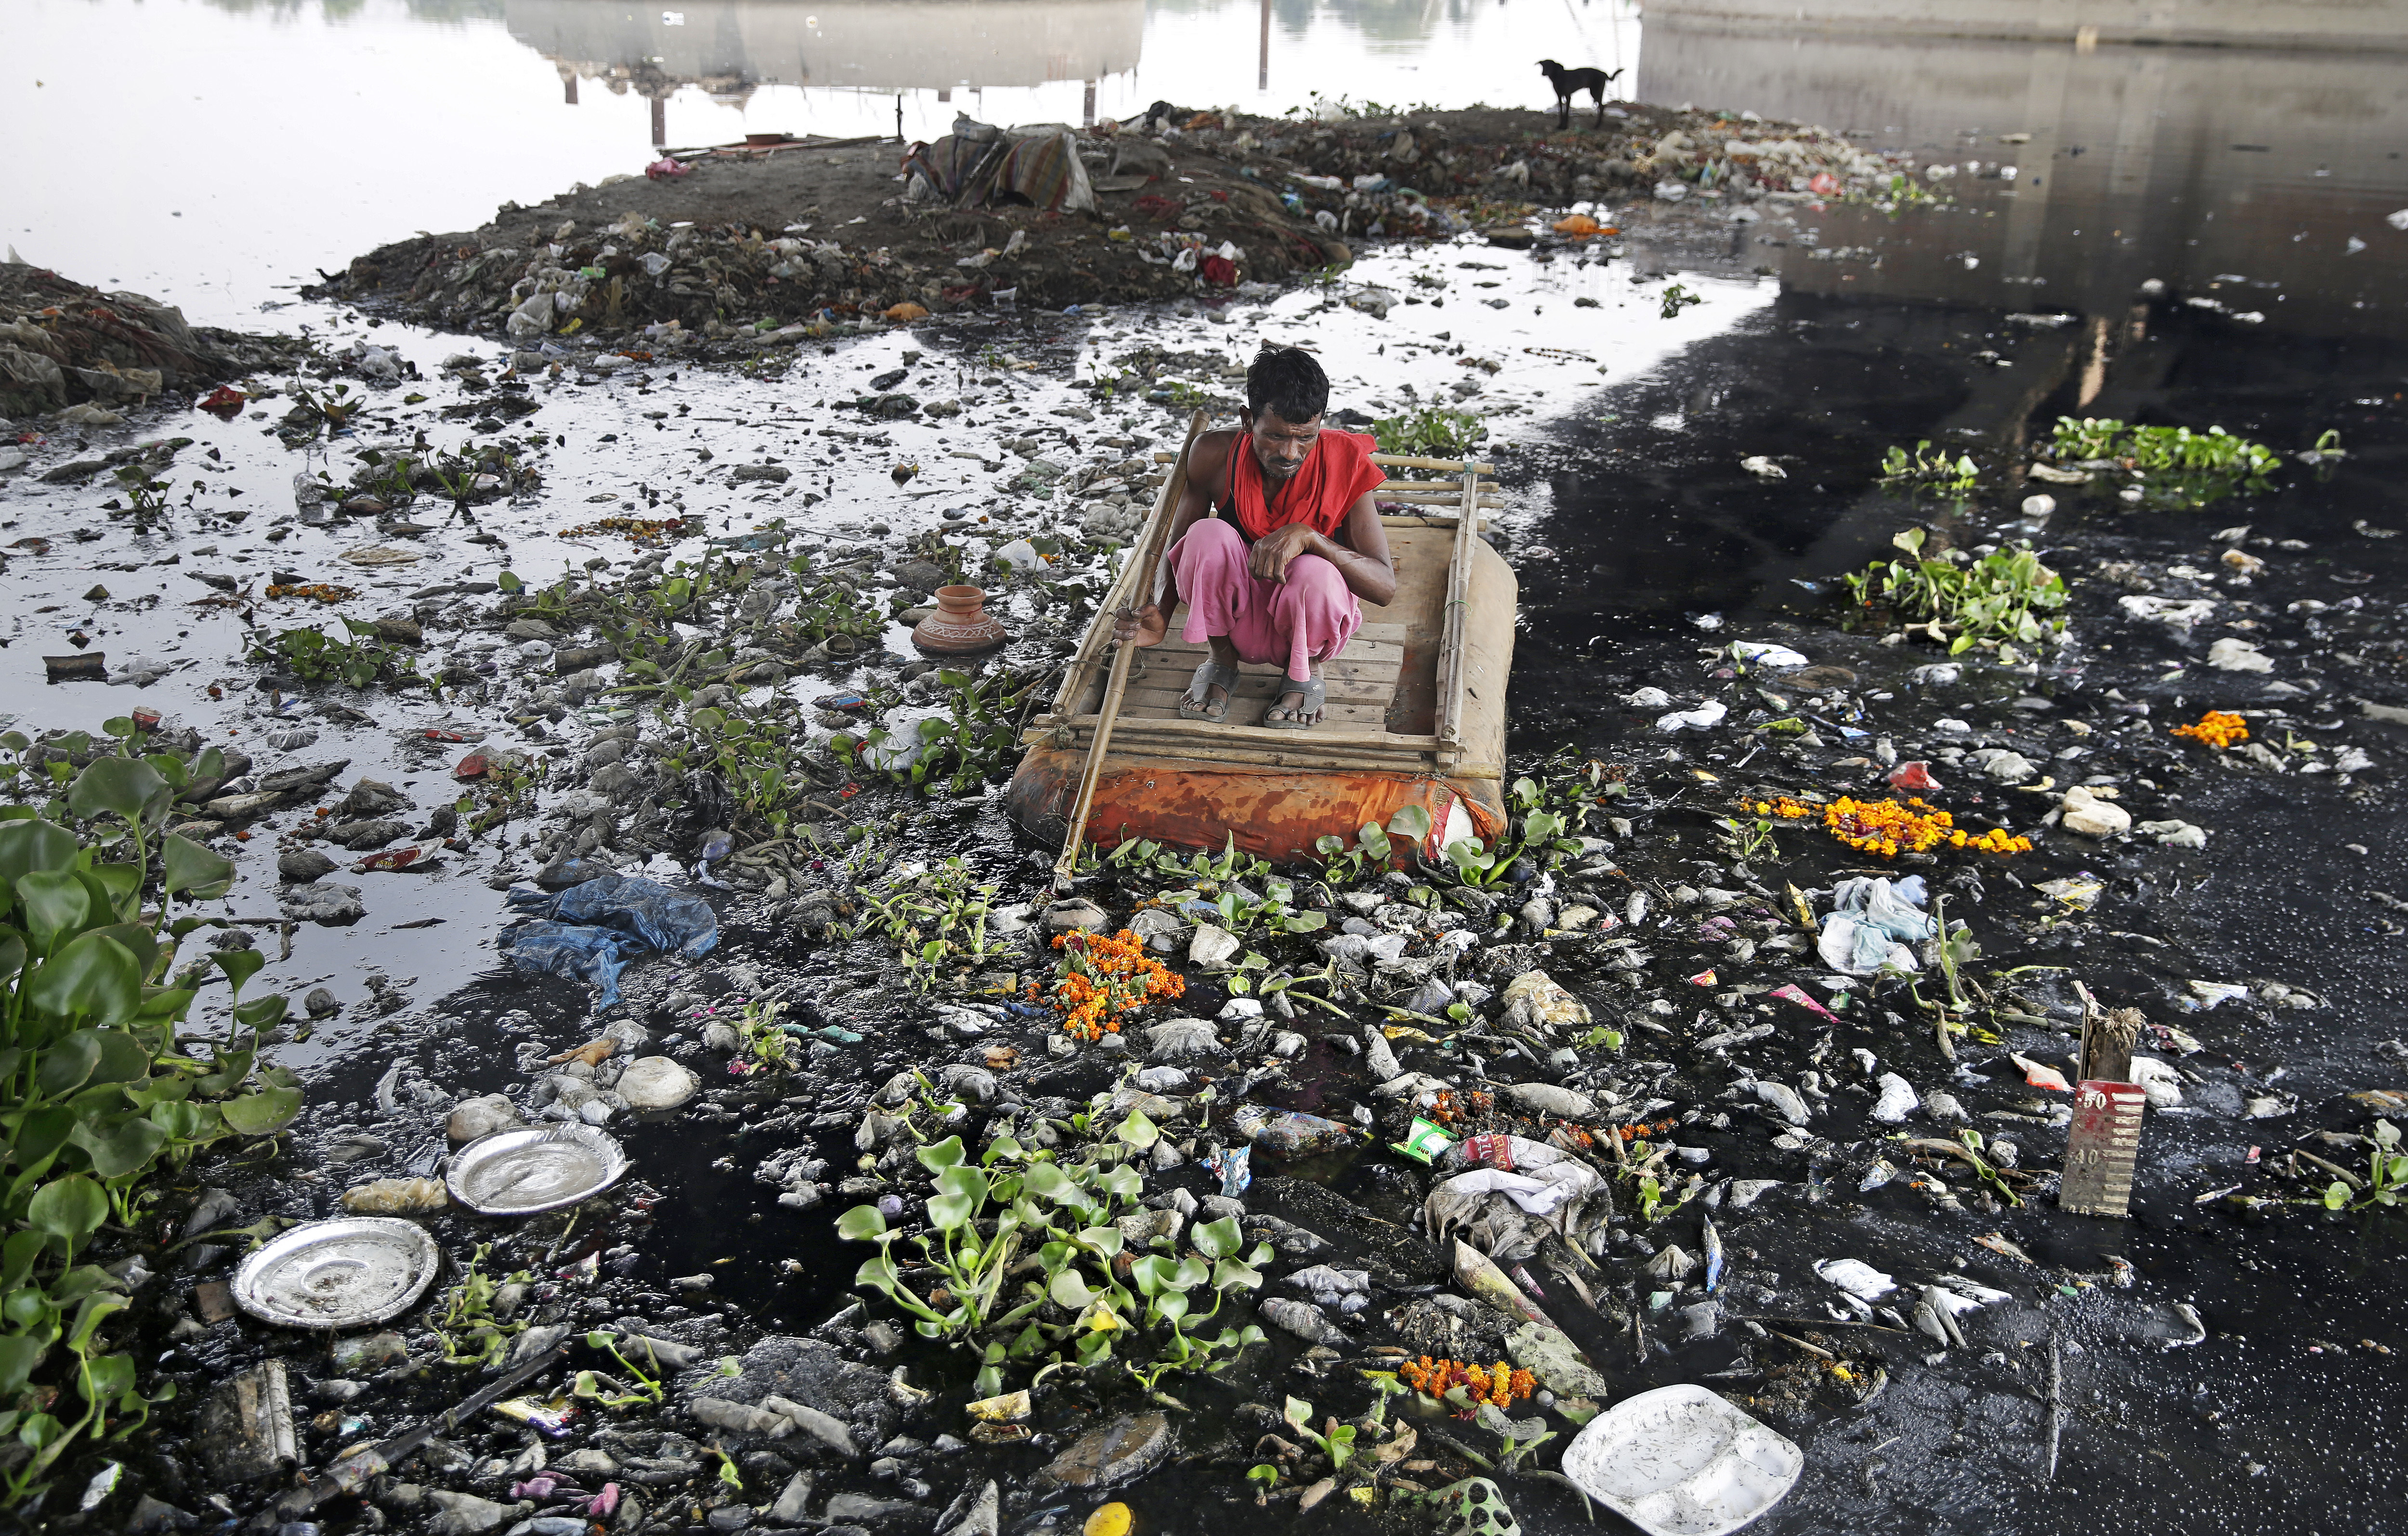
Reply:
x=2264, y=23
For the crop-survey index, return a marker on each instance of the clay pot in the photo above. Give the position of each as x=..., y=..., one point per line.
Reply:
x=961, y=626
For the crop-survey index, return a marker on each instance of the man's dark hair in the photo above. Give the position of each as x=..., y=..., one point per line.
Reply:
x=1287, y=381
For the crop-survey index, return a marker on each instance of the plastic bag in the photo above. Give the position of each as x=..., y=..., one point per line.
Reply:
x=1872, y=921
x=663, y=919
x=588, y=933
x=572, y=950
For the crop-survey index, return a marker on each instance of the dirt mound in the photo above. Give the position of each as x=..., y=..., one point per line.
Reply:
x=821, y=236
x=62, y=344
x=765, y=238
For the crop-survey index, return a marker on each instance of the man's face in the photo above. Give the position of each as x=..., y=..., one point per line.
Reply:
x=1280, y=445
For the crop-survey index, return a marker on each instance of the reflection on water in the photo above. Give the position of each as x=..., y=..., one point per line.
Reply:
x=731, y=47
x=2253, y=181
x=1123, y=53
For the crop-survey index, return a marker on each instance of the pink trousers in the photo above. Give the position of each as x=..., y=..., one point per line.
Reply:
x=1308, y=617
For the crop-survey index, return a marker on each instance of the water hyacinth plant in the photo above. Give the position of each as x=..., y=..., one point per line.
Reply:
x=1962, y=601
x=99, y=1094
x=1928, y=469
x=1084, y=1310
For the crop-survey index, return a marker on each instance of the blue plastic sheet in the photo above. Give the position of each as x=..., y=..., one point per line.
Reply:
x=588, y=933
x=572, y=950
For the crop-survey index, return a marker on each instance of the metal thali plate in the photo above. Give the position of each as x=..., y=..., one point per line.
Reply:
x=521, y=1172
x=353, y=1272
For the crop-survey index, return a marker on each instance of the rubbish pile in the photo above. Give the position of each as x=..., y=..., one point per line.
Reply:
x=67, y=346
x=1418, y=174
x=1168, y=203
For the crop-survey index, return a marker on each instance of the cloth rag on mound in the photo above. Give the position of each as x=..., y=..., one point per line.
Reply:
x=981, y=165
x=588, y=933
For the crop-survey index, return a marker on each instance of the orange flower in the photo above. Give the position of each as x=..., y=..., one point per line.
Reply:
x=2218, y=728
x=1104, y=976
x=1886, y=826
x=1499, y=1383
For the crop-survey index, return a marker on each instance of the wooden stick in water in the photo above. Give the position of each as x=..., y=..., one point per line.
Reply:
x=1144, y=559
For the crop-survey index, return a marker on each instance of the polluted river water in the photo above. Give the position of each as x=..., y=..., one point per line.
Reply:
x=2168, y=235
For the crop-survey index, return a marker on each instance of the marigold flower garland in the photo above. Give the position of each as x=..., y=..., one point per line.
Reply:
x=1104, y=976
x=1886, y=827
x=1500, y=1384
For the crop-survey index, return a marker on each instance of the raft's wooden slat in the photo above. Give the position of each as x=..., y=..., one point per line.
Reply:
x=1201, y=737
x=1176, y=668
x=1339, y=690
x=1180, y=654
x=1247, y=708
x=1342, y=690
x=1448, y=466
x=1451, y=659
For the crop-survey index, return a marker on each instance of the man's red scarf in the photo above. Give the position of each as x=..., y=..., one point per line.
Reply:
x=1334, y=477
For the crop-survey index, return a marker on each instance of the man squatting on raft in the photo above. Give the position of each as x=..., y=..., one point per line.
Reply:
x=1275, y=546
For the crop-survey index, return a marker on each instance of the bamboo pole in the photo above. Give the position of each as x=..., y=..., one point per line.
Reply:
x=1142, y=564
x=1450, y=655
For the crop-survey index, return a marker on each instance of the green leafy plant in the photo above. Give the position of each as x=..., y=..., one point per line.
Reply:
x=2171, y=466
x=465, y=1323
x=316, y=656
x=97, y=1095
x=2387, y=1175
x=1750, y=841
x=1651, y=1197
x=1431, y=432
x=1206, y=871
x=2214, y=451
x=754, y=756
x=767, y=1044
x=1374, y=846
x=1335, y=1441
x=646, y=1388
x=1076, y=1313
x=1533, y=831
x=936, y=916
x=1929, y=467
x=1974, y=1156
x=2007, y=596
x=1677, y=299
x=978, y=743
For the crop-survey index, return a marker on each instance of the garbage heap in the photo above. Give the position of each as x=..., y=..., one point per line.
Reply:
x=1182, y=204
x=65, y=345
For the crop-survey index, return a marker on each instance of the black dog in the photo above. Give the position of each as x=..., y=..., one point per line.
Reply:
x=1571, y=82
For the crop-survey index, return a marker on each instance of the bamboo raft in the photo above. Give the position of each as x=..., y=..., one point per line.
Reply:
x=1415, y=717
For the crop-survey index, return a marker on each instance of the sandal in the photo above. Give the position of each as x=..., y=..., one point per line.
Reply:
x=1305, y=714
x=1197, y=702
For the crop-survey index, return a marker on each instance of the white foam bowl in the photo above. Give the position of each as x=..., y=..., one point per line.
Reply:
x=1679, y=1461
